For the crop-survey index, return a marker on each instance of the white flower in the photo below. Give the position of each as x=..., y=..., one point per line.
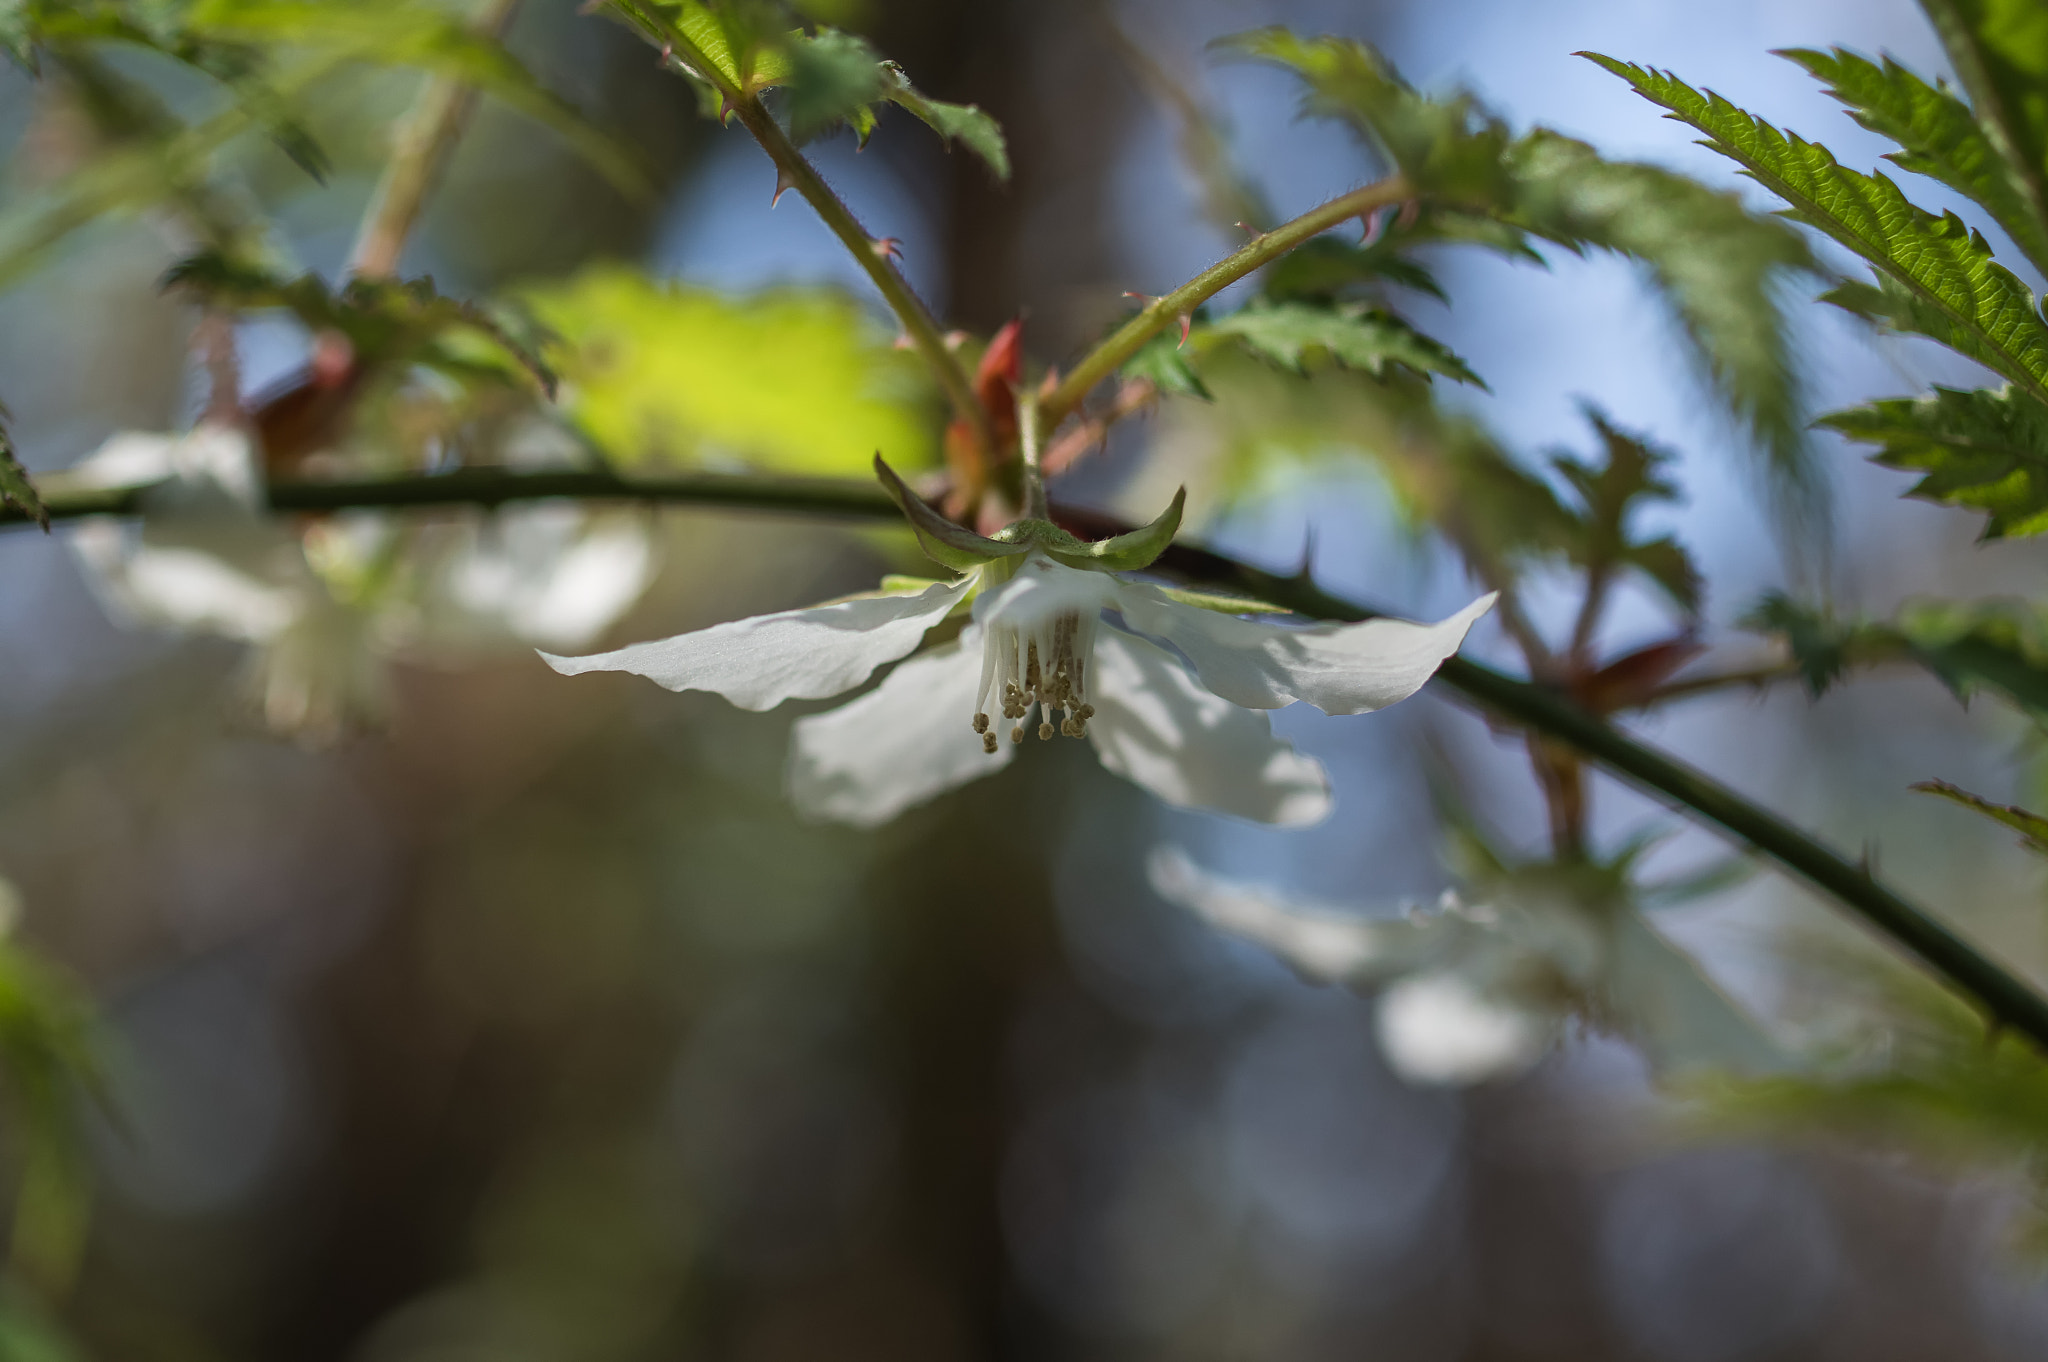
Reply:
x=326, y=604
x=1472, y=992
x=1168, y=692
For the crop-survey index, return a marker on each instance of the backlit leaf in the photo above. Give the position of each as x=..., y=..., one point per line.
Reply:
x=1986, y=451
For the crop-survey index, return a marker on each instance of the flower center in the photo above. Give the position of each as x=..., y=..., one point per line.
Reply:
x=1037, y=663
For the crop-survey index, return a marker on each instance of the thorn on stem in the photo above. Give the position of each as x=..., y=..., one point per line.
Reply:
x=1187, y=323
x=784, y=182
x=1410, y=214
x=887, y=247
x=1372, y=220
x=1249, y=230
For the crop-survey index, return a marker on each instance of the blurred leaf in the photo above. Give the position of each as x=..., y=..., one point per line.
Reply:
x=1632, y=473
x=1986, y=451
x=1230, y=198
x=1449, y=149
x=1983, y=311
x=832, y=79
x=1999, y=49
x=385, y=321
x=1324, y=270
x=1287, y=333
x=15, y=488
x=1163, y=362
x=794, y=380
x=1969, y=645
x=962, y=123
x=2032, y=827
x=1938, y=135
x=1714, y=261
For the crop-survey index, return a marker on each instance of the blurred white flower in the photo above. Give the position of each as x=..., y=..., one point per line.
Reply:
x=326, y=603
x=1472, y=992
x=1048, y=649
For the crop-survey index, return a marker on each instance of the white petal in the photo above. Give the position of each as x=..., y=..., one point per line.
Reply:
x=1156, y=726
x=1438, y=1028
x=180, y=588
x=1326, y=946
x=903, y=742
x=554, y=575
x=1681, y=1020
x=758, y=663
x=1041, y=590
x=1338, y=668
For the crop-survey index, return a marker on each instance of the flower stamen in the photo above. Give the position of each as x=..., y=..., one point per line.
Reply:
x=1037, y=664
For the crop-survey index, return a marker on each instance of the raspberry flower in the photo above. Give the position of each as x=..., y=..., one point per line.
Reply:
x=1469, y=992
x=1168, y=686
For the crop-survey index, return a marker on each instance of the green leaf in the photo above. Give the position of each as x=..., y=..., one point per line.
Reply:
x=1715, y=262
x=1989, y=315
x=833, y=78
x=2001, y=646
x=2032, y=827
x=1983, y=450
x=962, y=123
x=1632, y=473
x=1286, y=334
x=1163, y=362
x=1448, y=149
x=15, y=488
x=1938, y=135
x=386, y=321
x=1999, y=49
x=1223, y=604
x=943, y=541
x=1325, y=270
x=791, y=380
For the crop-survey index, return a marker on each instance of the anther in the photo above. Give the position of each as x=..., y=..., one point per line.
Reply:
x=1017, y=733
x=988, y=743
x=980, y=723
x=1044, y=729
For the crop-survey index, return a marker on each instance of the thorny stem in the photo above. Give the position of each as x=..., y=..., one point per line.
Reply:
x=1542, y=709
x=425, y=139
x=1108, y=356
x=793, y=171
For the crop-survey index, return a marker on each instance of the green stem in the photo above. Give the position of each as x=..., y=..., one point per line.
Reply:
x=1165, y=310
x=2007, y=999
x=428, y=134
x=795, y=172
x=1029, y=440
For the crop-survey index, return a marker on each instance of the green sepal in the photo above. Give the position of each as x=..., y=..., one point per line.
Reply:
x=944, y=542
x=1222, y=604
x=1125, y=552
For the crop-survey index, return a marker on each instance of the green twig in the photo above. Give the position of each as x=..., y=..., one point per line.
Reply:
x=421, y=148
x=2005, y=998
x=1167, y=309
x=793, y=171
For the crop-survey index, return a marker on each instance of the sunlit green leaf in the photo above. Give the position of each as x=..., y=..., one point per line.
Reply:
x=795, y=380
x=833, y=78
x=1938, y=135
x=1163, y=362
x=962, y=123
x=1990, y=316
x=1287, y=334
x=1999, y=49
x=1987, y=451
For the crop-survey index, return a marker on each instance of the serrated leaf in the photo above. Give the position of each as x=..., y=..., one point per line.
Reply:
x=1990, y=316
x=2032, y=827
x=1288, y=333
x=1999, y=49
x=1970, y=646
x=1633, y=472
x=833, y=78
x=1938, y=136
x=1446, y=148
x=1163, y=362
x=1986, y=451
x=962, y=123
x=1715, y=262
x=791, y=380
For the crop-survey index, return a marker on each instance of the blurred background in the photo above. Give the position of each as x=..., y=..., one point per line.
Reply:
x=534, y=1025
